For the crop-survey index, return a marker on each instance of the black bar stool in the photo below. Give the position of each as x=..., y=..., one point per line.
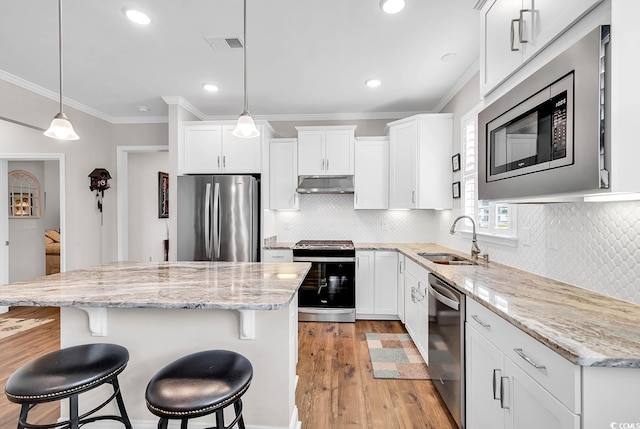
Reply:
x=200, y=384
x=66, y=373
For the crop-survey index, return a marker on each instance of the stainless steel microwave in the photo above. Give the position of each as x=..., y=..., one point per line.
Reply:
x=547, y=136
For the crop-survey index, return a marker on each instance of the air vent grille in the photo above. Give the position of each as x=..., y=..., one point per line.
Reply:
x=223, y=43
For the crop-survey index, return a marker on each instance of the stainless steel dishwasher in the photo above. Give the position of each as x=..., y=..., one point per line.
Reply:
x=446, y=345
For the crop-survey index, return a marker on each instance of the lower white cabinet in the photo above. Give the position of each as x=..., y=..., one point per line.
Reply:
x=376, y=284
x=513, y=381
x=416, y=309
x=278, y=255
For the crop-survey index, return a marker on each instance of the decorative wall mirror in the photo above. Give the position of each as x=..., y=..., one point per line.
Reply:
x=24, y=195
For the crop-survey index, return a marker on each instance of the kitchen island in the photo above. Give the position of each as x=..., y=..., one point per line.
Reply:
x=162, y=311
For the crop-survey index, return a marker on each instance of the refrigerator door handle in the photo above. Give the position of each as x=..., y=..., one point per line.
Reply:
x=216, y=220
x=207, y=220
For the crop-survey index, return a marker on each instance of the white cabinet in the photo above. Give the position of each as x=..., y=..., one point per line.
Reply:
x=212, y=148
x=416, y=311
x=326, y=151
x=512, y=32
x=371, y=173
x=513, y=381
x=376, y=284
x=283, y=174
x=420, y=162
x=278, y=255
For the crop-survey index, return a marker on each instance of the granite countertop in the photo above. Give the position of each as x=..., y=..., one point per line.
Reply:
x=585, y=327
x=204, y=285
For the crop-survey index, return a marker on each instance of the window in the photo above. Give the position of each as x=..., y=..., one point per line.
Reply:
x=24, y=195
x=491, y=218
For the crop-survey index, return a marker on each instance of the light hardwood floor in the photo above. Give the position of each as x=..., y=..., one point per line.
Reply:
x=336, y=388
x=19, y=349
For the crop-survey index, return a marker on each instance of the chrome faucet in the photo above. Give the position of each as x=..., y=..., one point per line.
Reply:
x=475, y=250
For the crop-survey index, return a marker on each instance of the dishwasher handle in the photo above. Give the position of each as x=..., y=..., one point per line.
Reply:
x=443, y=293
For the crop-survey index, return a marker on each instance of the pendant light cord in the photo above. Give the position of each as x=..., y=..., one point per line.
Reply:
x=60, y=47
x=244, y=58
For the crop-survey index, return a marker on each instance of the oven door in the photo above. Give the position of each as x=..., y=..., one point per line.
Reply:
x=329, y=284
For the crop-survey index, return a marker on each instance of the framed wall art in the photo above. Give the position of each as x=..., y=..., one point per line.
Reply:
x=455, y=162
x=456, y=189
x=163, y=195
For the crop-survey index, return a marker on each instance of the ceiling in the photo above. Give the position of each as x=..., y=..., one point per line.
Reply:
x=304, y=57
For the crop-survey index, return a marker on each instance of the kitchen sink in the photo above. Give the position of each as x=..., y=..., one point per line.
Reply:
x=447, y=259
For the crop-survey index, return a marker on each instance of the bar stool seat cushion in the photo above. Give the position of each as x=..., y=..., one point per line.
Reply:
x=198, y=384
x=69, y=371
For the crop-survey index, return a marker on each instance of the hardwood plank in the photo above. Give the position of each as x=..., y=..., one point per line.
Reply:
x=19, y=349
x=337, y=390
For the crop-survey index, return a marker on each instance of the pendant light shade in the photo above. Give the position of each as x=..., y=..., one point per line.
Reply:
x=246, y=127
x=60, y=127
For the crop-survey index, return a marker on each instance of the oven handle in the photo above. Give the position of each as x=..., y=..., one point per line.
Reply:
x=443, y=299
x=322, y=259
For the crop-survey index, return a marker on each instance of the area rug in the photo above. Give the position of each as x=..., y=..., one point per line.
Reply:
x=10, y=326
x=395, y=356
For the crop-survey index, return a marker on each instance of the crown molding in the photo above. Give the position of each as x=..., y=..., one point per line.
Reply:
x=458, y=85
x=172, y=100
x=292, y=117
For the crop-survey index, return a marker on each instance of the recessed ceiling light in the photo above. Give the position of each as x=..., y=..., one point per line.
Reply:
x=392, y=6
x=144, y=109
x=137, y=16
x=372, y=83
x=447, y=58
x=210, y=87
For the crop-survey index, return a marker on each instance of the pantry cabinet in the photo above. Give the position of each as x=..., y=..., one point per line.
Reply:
x=326, y=151
x=211, y=148
x=283, y=174
x=371, y=173
x=512, y=32
x=420, y=162
x=376, y=284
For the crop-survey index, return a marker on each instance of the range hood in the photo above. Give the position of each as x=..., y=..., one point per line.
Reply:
x=325, y=185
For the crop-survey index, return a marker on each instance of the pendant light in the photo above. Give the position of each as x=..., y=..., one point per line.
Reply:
x=246, y=127
x=60, y=127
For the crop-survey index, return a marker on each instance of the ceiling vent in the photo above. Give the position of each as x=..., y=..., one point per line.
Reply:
x=223, y=43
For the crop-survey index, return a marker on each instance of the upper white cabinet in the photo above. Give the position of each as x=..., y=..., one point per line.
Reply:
x=326, y=151
x=420, y=162
x=514, y=31
x=371, y=173
x=283, y=174
x=210, y=148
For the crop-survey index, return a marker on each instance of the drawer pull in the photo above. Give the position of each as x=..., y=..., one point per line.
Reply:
x=502, y=383
x=477, y=319
x=529, y=360
x=495, y=385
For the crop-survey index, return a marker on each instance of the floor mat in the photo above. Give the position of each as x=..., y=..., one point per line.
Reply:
x=395, y=356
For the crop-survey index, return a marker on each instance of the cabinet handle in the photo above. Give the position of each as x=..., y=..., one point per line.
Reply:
x=413, y=197
x=477, y=319
x=495, y=385
x=502, y=383
x=322, y=164
x=218, y=161
x=529, y=360
x=520, y=25
x=401, y=267
x=413, y=294
x=277, y=257
x=327, y=164
x=512, y=37
x=224, y=161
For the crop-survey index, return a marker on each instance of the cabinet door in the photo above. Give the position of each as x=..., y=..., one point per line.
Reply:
x=311, y=160
x=402, y=165
x=410, y=305
x=339, y=152
x=283, y=174
x=202, y=149
x=422, y=321
x=364, y=282
x=500, y=56
x=484, y=369
x=278, y=255
x=386, y=283
x=240, y=155
x=532, y=407
x=401, y=292
x=371, y=174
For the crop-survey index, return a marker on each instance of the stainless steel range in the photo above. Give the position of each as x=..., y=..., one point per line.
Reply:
x=328, y=293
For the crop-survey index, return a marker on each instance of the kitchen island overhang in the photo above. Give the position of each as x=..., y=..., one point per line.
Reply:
x=162, y=311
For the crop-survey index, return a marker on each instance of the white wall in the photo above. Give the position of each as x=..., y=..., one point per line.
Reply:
x=26, y=236
x=51, y=204
x=146, y=231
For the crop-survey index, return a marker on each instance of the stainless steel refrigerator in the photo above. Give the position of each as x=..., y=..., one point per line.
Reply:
x=218, y=218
